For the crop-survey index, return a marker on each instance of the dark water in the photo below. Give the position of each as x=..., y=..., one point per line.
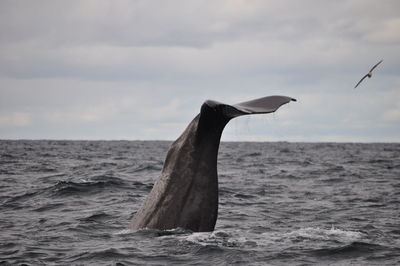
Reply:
x=70, y=202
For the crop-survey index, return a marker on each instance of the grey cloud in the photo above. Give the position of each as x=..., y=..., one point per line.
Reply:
x=180, y=23
x=132, y=68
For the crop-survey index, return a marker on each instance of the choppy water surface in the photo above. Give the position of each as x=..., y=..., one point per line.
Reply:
x=70, y=202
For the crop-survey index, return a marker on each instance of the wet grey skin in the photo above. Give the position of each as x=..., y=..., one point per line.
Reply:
x=186, y=193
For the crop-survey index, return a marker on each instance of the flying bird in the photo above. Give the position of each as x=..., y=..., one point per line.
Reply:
x=369, y=74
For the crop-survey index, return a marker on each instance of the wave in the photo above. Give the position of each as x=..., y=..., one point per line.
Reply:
x=152, y=232
x=95, y=185
x=354, y=249
x=107, y=254
x=244, y=196
x=74, y=207
x=49, y=206
x=17, y=202
x=253, y=154
x=148, y=167
x=96, y=217
x=221, y=239
x=316, y=233
x=67, y=188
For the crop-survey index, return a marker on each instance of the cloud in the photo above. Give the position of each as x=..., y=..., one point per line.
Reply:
x=134, y=68
x=134, y=40
x=82, y=115
x=388, y=31
x=392, y=115
x=15, y=119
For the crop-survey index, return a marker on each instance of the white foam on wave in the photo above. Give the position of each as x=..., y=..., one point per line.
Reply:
x=316, y=233
x=311, y=234
x=125, y=232
x=220, y=238
x=240, y=238
x=201, y=238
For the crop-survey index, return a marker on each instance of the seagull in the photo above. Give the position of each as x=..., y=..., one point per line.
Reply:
x=369, y=74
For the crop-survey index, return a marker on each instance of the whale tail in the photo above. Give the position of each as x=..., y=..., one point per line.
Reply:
x=263, y=105
x=186, y=193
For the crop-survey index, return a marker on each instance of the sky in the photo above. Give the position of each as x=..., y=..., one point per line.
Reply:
x=140, y=69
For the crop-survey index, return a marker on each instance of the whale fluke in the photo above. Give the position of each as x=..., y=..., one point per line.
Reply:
x=186, y=193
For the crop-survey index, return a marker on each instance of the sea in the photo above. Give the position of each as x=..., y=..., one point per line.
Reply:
x=281, y=203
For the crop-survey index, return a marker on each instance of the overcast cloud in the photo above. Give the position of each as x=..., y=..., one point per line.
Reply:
x=141, y=69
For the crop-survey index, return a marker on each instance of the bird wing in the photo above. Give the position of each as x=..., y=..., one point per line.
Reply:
x=361, y=81
x=376, y=65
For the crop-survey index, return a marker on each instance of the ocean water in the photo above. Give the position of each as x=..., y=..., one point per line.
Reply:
x=70, y=203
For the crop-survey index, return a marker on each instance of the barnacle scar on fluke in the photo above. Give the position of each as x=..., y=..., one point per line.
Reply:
x=186, y=193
